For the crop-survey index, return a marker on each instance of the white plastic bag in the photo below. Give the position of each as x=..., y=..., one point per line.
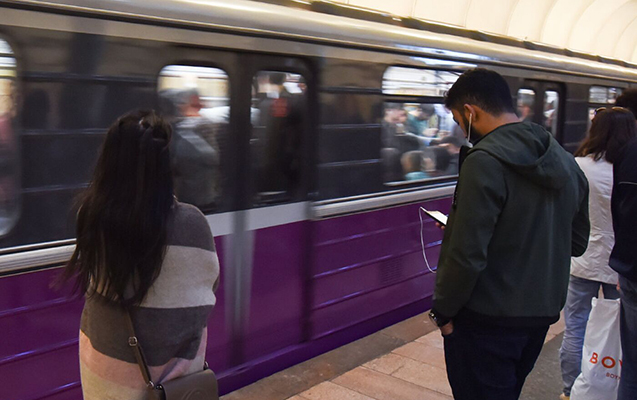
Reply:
x=601, y=358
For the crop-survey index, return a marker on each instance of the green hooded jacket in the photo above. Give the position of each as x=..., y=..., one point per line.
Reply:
x=519, y=213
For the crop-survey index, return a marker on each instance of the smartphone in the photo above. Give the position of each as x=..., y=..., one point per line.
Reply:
x=437, y=216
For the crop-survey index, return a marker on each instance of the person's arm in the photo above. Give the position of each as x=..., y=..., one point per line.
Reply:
x=581, y=227
x=623, y=258
x=480, y=198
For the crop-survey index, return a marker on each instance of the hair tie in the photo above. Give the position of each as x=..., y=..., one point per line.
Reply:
x=148, y=132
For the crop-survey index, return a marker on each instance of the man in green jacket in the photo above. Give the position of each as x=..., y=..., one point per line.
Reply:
x=519, y=213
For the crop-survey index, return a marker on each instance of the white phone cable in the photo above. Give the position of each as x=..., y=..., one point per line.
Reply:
x=422, y=241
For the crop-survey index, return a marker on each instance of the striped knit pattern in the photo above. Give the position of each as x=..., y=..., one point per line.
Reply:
x=170, y=323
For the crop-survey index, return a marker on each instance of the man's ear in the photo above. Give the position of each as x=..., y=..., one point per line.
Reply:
x=470, y=112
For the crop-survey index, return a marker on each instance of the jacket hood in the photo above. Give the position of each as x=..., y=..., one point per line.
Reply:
x=530, y=151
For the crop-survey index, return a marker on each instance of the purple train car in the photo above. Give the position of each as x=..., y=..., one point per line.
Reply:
x=309, y=135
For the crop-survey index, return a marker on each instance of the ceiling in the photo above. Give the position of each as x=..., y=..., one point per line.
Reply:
x=604, y=27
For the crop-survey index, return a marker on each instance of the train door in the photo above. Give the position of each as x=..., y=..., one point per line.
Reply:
x=270, y=236
x=541, y=102
x=198, y=91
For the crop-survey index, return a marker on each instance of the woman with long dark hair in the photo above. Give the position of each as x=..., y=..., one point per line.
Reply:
x=610, y=131
x=140, y=251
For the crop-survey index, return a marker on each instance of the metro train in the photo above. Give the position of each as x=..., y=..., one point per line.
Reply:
x=311, y=120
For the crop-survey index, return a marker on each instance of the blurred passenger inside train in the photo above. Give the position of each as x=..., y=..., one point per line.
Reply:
x=9, y=184
x=438, y=161
x=611, y=130
x=412, y=163
x=142, y=259
x=393, y=123
x=623, y=258
x=628, y=99
x=396, y=131
x=519, y=213
x=525, y=106
x=549, y=116
x=281, y=118
x=194, y=149
x=392, y=165
x=452, y=145
x=423, y=121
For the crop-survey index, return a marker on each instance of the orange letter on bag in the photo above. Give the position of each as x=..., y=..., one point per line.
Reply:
x=594, y=358
x=610, y=364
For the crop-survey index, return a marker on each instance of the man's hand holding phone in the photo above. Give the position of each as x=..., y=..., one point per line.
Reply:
x=440, y=218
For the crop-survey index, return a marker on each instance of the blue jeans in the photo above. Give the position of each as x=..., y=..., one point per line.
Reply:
x=576, y=311
x=628, y=329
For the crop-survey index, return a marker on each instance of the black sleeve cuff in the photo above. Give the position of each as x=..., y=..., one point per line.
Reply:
x=438, y=319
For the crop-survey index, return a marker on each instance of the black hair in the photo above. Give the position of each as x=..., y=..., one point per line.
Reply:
x=393, y=106
x=442, y=158
x=427, y=108
x=483, y=88
x=123, y=217
x=413, y=159
x=277, y=78
x=628, y=99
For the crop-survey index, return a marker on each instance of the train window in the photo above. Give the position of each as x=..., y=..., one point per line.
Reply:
x=418, y=82
x=419, y=141
x=196, y=101
x=551, y=111
x=525, y=104
x=9, y=162
x=603, y=95
x=278, y=115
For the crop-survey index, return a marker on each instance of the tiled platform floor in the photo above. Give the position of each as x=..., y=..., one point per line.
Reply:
x=404, y=361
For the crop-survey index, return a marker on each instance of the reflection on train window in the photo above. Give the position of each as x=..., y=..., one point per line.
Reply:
x=419, y=141
x=9, y=162
x=526, y=100
x=196, y=102
x=418, y=82
x=278, y=115
x=551, y=111
x=603, y=95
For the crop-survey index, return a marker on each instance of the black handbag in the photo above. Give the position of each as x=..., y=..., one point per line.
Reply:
x=201, y=385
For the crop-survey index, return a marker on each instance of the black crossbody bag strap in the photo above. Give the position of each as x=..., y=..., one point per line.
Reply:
x=137, y=350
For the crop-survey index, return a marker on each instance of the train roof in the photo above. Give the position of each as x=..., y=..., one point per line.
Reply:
x=345, y=26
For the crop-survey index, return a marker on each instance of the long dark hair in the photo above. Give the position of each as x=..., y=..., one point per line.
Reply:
x=610, y=130
x=124, y=214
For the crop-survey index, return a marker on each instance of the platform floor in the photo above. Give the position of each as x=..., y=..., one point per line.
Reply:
x=403, y=361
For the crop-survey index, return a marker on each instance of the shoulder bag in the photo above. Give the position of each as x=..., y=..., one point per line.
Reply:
x=201, y=385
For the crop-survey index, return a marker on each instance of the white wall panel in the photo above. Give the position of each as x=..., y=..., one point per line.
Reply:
x=490, y=15
x=560, y=21
x=593, y=20
x=626, y=48
x=450, y=11
x=527, y=19
x=606, y=41
x=606, y=27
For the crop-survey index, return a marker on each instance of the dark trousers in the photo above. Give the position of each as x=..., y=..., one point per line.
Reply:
x=489, y=362
x=628, y=329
